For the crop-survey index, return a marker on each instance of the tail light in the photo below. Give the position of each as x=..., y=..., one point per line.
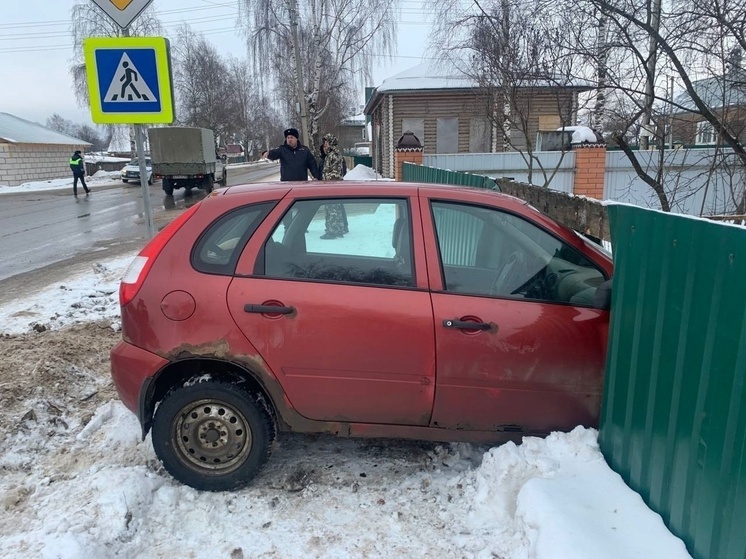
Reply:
x=138, y=269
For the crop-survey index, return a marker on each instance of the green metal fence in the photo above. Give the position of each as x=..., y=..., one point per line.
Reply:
x=419, y=173
x=673, y=422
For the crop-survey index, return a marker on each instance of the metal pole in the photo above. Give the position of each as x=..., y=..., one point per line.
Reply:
x=299, y=72
x=140, y=141
x=651, y=64
x=140, y=148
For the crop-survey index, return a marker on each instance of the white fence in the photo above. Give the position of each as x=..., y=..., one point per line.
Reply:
x=513, y=165
x=693, y=185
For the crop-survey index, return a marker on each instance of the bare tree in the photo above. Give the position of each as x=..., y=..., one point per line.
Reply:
x=255, y=119
x=204, y=97
x=684, y=41
x=84, y=132
x=337, y=42
x=512, y=51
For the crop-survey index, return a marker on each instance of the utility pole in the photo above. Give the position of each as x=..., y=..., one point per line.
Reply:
x=299, y=71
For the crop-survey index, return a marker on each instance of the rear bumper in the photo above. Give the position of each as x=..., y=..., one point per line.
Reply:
x=132, y=369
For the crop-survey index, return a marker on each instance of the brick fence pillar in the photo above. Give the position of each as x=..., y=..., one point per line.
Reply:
x=590, y=167
x=410, y=155
x=409, y=149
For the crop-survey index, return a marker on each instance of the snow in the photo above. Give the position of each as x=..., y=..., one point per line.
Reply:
x=364, y=173
x=100, y=178
x=108, y=496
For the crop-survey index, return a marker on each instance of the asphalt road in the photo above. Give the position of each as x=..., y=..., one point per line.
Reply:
x=45, y=236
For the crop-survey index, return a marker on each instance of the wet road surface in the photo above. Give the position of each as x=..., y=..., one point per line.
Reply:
x=43, y=232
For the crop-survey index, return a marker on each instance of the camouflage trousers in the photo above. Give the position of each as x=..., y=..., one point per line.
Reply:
x=336, y=219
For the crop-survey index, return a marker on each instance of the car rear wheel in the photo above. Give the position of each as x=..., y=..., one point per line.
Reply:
x=224, y=179
x=212, y=436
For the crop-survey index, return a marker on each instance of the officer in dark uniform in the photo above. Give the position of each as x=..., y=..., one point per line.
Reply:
x=296, y=160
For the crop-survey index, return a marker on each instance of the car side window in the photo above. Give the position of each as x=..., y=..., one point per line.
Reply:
x=219, y=247
x=485, y=251
x=376, y=249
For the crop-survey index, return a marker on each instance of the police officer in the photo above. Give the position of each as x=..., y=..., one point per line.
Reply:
x=296, y=159
x=77, y=166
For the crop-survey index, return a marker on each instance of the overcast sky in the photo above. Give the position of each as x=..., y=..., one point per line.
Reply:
x=36, y=48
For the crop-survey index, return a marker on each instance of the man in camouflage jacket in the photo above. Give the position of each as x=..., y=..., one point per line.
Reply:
x=333, y=167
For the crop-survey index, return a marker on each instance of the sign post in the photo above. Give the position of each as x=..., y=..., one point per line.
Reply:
x=129, y=82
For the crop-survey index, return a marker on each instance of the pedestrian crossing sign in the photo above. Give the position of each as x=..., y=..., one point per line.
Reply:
x=129, y=80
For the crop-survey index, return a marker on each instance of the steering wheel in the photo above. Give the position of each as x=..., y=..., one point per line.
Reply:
x=511, y=273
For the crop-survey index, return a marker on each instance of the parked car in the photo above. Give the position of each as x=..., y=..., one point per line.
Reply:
x=131, y=171
x=445, y=313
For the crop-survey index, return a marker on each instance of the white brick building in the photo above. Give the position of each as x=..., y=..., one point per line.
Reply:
x=32, y=152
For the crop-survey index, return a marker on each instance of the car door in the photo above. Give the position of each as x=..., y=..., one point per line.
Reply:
x=344, y=324
x=519, y=345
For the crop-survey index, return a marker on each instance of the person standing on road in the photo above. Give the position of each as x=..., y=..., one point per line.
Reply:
x=77, y=166
x=296, y=160
x=333, y=168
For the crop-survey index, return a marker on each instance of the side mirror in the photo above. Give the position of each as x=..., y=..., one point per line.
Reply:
x=602, y=297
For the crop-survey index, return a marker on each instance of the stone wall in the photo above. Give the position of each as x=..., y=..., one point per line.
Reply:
x=21, y=163
x=577, y=212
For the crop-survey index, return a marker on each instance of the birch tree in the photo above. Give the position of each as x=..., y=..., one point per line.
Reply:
x=203, y=85
x=337, y=42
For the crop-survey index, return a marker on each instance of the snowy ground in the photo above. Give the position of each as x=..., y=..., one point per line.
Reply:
x=77, y=481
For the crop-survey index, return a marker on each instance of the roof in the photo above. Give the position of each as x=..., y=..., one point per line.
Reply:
x=728, y=90
x=444, y=76
x=19, y=131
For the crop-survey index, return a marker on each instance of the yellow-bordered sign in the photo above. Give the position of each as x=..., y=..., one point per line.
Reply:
x=129, y=80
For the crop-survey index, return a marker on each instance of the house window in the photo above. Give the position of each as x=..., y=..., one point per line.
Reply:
x=416, y=126
x=705, y=133
x=446, y=140
x=479, y=135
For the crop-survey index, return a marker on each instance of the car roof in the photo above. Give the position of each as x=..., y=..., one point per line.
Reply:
x=380, y=188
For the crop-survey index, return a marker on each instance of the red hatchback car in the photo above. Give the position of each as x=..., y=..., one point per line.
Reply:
x=445, y=313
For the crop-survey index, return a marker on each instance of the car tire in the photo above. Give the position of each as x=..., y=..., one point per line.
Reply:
x=224, y=179
x=125, y=180
x=212, y=436
x=150, y=179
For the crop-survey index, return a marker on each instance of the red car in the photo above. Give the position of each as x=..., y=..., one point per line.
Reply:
x=444, y=313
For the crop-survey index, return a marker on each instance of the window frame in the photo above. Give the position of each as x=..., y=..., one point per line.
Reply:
x=228, y=269
x=591, y=264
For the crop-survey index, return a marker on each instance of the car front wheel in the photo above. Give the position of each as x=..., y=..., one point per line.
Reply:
x=212, y=436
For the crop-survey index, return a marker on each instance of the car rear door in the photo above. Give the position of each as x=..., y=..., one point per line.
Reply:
x=344, y=324
x=511, y=356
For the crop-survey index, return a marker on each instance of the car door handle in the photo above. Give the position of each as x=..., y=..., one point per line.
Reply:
x=268, y=309
x=467, y=325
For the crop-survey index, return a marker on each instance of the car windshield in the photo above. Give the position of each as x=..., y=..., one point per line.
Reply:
x=136, y=163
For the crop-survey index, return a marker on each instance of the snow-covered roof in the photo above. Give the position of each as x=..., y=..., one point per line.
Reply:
x=441, y=75
x=16, y=130
x=357, y=120
x=728, y=90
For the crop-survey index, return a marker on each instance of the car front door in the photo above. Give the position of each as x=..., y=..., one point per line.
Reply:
x=345, y=324
x=519, y=346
